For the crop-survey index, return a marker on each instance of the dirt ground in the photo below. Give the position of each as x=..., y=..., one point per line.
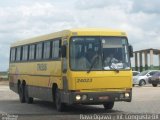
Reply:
x=4, y=82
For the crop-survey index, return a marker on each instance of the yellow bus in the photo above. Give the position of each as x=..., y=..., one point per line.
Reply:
x=75, y=66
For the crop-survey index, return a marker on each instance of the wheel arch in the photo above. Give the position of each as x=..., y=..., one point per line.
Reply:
x=23, y=82
x=54, y=87
x=143, y=80
x=18, y=84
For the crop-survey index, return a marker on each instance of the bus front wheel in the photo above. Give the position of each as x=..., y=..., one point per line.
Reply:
x=108, y=105
x=59, y=105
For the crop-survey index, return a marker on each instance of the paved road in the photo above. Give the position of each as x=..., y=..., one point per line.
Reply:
x=145, y=100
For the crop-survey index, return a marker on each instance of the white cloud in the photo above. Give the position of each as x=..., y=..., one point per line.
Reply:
x=100, y=4
x=146, y=6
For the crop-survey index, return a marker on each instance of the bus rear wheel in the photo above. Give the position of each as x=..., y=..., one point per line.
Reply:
x=21, y=93
x=108, y=105
x=28, y=99
x=59, y=105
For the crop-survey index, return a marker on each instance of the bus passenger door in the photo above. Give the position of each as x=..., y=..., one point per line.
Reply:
x=64, y=65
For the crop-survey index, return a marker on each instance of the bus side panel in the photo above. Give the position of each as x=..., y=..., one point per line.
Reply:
x=39, y=77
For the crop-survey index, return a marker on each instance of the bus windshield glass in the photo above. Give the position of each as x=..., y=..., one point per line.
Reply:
x=99, y=53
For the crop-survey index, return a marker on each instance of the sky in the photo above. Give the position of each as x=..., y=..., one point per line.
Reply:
x=20, y=19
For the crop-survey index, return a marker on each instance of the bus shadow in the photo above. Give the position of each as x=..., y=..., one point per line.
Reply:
x=44, y=108
x=76, y=109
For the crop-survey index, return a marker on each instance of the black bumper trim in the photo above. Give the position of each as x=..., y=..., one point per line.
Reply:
x=95, y=97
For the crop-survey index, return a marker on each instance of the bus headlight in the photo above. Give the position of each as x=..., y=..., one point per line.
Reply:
x=78, y=97
x=126, y=95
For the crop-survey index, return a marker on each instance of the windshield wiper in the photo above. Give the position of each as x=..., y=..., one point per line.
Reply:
x=92, y=64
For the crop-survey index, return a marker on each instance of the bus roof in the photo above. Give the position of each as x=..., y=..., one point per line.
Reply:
x=71, y=32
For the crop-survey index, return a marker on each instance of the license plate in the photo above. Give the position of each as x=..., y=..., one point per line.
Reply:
x=103, y=98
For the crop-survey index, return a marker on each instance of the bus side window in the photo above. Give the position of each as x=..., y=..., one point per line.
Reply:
x=18, y=54
x=46, y=50
x=39, y=51
x=32, y=52
x=55, y=49
x=25, y=53
x=13, y=54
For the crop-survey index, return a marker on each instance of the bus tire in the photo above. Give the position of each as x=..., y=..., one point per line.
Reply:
x=28, y=99
x=59, y=105
x=21, y=93
x=108, y=105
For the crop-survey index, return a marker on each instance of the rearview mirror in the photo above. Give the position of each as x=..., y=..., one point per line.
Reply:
x=130, y=48
x=63, y=51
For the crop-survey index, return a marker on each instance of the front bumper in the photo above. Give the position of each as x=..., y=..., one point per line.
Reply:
x=135, y=81
x=95, y=97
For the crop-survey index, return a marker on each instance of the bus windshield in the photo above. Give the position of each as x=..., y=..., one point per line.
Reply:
x=99, y=53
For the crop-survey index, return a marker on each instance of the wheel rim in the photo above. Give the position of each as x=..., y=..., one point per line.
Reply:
x=142, y=82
